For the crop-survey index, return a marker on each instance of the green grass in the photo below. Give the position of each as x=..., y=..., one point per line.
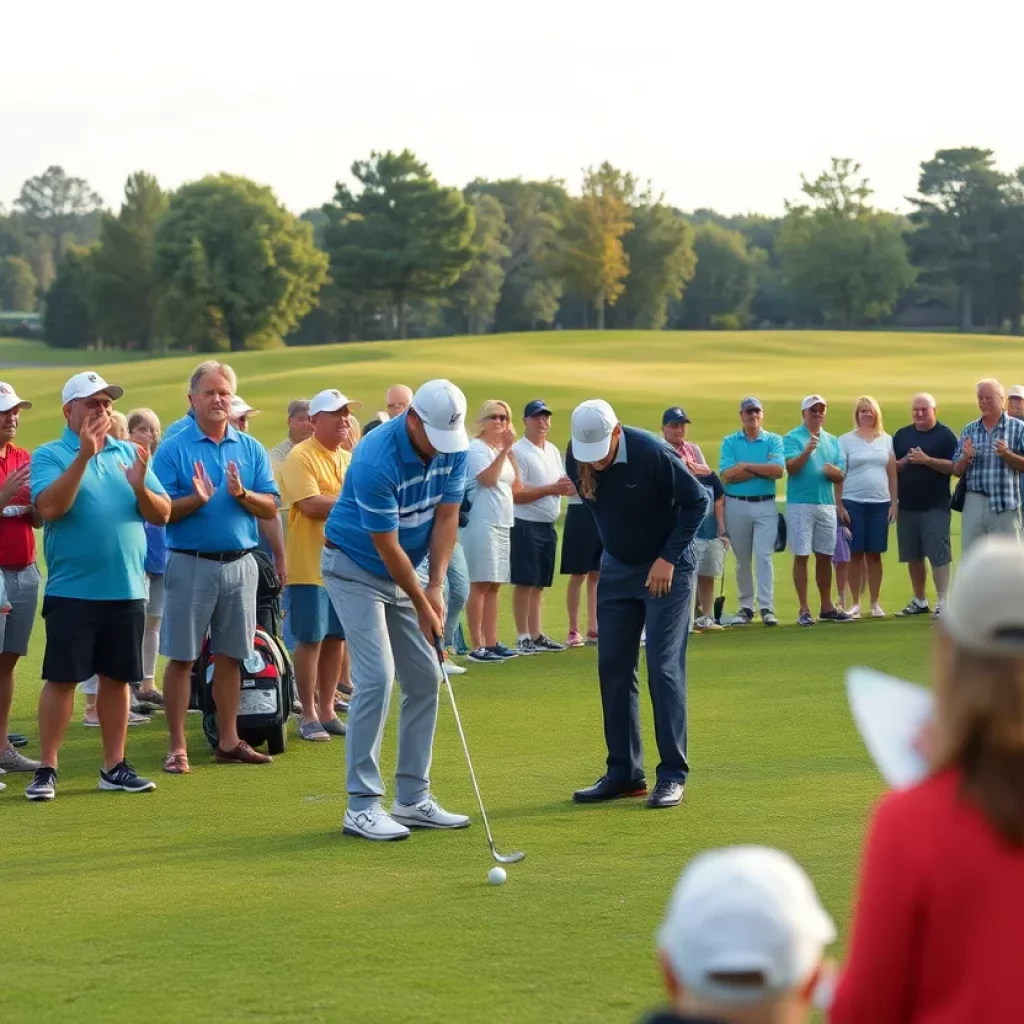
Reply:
x=230, y=894
x=18, y=352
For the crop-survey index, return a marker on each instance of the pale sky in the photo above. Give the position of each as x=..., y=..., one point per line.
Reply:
x=720, y=103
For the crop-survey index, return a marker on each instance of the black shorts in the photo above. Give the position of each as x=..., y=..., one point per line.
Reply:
x=86, y=638
x=581, y=543
x=532, y=561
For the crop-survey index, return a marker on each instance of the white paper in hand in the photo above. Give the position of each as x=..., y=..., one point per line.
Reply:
x=889, y=713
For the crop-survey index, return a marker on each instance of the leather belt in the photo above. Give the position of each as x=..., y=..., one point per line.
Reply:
x=213, y=556
x=751, y=497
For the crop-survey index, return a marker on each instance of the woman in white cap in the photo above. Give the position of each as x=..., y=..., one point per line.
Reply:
x=491, y=479
x=936, y=935
x=648, y=507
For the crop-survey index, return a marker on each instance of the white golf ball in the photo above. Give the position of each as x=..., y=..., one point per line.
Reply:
x=496, y=876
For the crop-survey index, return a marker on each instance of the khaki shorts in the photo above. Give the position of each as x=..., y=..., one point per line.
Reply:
x=710, y=557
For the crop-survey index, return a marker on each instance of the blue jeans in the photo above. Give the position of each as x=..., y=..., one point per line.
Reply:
x=624, y=607
x=456, y=594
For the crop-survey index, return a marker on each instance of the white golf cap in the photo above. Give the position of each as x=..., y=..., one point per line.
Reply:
x=87, y=384
x=9, y=399
x=442, y=408
x=812, y=400
x=240, y=407
x=591, y=427
x=1017, y=391
x=985, y=608
x=331, y=400
x=744, y=910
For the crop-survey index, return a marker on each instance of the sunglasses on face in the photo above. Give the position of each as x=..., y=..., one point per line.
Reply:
x=498, y=417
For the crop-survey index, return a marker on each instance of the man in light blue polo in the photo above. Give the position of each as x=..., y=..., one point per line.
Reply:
x=399, y=503
x=221, y=484
x=750, y=466
x=93, y=494
x=815, y=464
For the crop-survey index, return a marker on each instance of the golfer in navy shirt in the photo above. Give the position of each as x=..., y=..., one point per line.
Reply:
x=648, y=507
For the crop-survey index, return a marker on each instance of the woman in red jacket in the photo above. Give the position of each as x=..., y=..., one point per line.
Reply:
x=936, y=936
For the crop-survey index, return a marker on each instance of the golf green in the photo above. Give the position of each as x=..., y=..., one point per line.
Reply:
x=231, y=895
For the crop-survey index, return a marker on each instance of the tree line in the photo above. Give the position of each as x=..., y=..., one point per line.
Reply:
x=220, y=264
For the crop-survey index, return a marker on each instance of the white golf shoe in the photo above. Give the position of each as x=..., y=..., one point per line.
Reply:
x=374, y=823
x=428, y=813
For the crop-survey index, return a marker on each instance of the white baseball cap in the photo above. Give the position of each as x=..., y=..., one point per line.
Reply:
x=744, y=910
x=591, y=427
x=442, y=408
x=812, y=400
x=331, y=400
x=1017, y=391
x=985, y=607
x=240, y=407
x=9, y=399
x=87, y=384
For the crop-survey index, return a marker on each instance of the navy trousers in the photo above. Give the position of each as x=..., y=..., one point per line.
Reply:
x=624, y=607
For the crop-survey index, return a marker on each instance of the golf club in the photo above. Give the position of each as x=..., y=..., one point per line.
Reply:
x=501, y=858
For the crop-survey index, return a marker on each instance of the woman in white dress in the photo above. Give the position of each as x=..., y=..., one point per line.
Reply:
x=866, y=500
x=491, y=476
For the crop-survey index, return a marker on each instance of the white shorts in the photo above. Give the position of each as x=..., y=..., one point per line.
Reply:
x=812, y=529
x=709, y=556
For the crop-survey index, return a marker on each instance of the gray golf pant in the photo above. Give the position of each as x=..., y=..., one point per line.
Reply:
x=978, y=521
x=384, y=638
x=752, y=527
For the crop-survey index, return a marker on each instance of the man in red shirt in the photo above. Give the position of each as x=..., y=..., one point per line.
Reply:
x=18, y=565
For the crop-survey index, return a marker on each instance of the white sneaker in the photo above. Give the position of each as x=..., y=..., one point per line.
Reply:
x=854, y=612
x=455, y=670
x=876, y=611
x=428, y=813
x=706, y=622
x=373, y=823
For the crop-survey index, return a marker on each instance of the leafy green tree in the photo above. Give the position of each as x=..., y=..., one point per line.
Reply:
x=69, y=320
x=957, y=209
x=234, y=264
x=661, y=262
x=1008, y=283
x=127, y=286
x=402, y=234
x=478, y=291
x=847, y=258
x=535, y=212
x=17, y=284
x=725, y=279
x=595, y=264
x=53, y=203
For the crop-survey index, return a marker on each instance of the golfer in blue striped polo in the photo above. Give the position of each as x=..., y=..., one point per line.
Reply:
x=399, y=503
x=648, y=507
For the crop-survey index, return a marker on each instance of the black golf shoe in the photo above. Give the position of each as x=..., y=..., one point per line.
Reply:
x=606, y=789
x=666, y=794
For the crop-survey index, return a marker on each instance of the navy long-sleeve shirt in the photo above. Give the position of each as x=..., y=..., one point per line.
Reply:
x=647, y=504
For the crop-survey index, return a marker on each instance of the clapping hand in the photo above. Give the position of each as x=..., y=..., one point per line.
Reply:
x=968, y=450
x=202, y=486
x=918, y=457
x=13, y=484
x=93, y=435
x=563, y=487
x=812, y=443
x=235, y=487
x=507, y=438
x=136, y=471
x=1001, y=448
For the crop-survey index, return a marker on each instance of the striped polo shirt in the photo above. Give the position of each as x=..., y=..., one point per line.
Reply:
x=388, y=487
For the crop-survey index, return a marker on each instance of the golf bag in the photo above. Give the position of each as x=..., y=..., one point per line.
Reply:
x=268, y=677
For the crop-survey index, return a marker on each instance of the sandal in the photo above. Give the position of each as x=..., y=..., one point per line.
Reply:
x=314, y=732
x=177, y=764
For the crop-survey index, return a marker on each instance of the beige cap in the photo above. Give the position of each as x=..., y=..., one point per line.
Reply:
x=985, y=609
x=1017, y=391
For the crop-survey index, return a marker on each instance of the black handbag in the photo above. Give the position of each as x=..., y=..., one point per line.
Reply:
x=780, y=535
x=956, y=503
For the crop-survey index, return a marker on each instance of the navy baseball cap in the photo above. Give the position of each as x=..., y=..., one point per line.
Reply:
x=536, y=408
x=674, y=415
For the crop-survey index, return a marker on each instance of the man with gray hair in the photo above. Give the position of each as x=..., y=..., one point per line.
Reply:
x=990, y=458
x=220, y=484
x=300, y=428
x=924, y=460
x=398, y=399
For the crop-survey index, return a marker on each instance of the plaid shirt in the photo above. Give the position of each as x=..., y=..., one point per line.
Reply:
x=988, y=474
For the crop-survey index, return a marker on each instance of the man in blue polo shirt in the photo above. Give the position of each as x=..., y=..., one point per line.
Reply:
x=399, y=503
x=815, y=464
x=94, y=494
x=750, y=464
x=220, y=483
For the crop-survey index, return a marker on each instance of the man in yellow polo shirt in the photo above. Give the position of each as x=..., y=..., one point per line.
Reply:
x=311, y=479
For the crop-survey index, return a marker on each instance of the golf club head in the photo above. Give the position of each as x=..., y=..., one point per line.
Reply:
x=507, y=858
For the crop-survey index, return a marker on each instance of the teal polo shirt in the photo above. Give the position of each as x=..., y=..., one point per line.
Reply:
x=765, y=449
x=222, y=524
x=810, y=486
x=96, y=551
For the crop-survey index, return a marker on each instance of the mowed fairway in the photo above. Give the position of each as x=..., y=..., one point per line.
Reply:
x=231, y=895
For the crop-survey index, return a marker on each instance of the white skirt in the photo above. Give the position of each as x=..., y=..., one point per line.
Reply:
x=487, y=552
